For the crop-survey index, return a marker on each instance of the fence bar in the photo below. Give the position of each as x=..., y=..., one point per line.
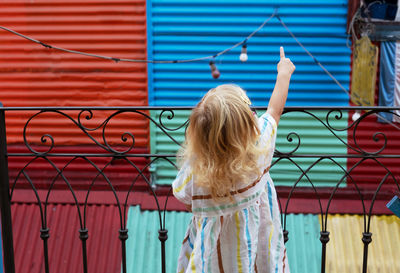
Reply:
x=5, y=201
x=47, y=151
x=324, y=240
x=44, y=234
x=366, y=239
x=163, y=236
x=123, y=236
x=84, y=235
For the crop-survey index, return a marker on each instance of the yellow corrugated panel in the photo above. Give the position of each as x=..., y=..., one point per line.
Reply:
x=345, y=248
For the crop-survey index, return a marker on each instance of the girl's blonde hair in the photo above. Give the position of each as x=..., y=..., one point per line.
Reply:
x=221, y=141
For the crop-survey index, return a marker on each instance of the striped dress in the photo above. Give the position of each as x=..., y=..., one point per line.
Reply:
x=242, y=235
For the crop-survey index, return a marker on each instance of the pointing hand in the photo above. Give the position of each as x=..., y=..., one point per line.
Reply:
x=285, y=65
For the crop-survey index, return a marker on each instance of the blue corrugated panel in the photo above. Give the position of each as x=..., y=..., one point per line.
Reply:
x=190, y=29
x=195, y=28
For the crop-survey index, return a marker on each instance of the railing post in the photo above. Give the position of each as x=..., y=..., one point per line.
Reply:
x=163, y=236
x=123, y=236
x=5, y=200
x=84, y=235
x=366, y=239
x=45, y=235
x=324, y=240
x=285, y=236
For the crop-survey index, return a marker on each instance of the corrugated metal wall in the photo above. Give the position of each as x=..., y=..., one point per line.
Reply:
x=370, y=172
x=65, y=248
x=143, y=246
x=314, y=139
x=190, y=29
x=31, y=75
x=344, y=250
x=79, y=173
x=303, y=247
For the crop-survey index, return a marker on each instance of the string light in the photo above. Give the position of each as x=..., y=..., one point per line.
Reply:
x=214, y=70
x=210, y=57
x=356, y=115
x=243, y=55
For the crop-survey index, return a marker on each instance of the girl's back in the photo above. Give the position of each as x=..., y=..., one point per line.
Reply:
x=225, y=182
x=239, y=234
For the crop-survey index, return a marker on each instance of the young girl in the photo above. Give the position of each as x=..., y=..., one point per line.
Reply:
x=224, y=181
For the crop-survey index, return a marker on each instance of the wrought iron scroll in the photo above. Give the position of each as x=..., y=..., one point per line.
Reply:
x=359, y=152
x=46, y=151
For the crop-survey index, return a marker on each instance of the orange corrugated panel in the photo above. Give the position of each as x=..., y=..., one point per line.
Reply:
x=65, y=248
x=31, y=75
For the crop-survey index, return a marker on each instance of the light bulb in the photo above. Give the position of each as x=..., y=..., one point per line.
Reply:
x=243, y=55
x=356, y=115
x=214, y=70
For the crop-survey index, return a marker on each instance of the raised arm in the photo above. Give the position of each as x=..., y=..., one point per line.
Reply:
x=278, y=98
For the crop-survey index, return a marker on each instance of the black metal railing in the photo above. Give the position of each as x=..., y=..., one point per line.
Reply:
x=40, y=144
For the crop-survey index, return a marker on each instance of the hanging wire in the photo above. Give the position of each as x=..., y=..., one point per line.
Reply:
x=145, y=61
x=210, y=57
x=351, y=31
x=326, y=70
x=315, y=59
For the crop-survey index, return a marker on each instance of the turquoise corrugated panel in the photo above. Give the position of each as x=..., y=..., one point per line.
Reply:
x=183, y=29
x=304, y=247
x=315, y=139
x=144, y=249
x=344, y=250
x=143, y=246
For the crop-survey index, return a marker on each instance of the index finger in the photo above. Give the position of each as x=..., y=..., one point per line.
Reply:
x=282, y=52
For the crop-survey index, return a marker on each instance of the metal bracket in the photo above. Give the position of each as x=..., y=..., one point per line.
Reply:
x=380, y=30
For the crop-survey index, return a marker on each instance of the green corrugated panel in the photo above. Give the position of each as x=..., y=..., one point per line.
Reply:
x=315, y=139
x=144, y=249
x=143, y=246
x=163, y=171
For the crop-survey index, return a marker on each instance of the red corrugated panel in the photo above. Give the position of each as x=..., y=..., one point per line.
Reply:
x=369, y=172
x=79, y=173
x=31, y=75
x=65, y=249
